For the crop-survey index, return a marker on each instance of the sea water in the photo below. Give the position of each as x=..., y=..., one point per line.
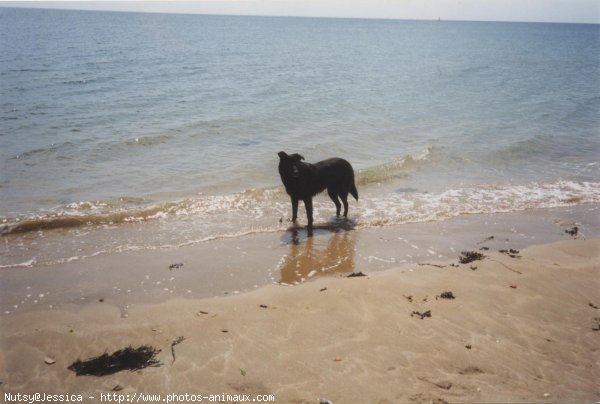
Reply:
x=128, y=131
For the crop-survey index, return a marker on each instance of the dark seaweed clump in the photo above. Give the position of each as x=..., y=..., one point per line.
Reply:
x=573, y=231
x=124, y=359
x=421, y=315
x=511, y=253
x=470, y=256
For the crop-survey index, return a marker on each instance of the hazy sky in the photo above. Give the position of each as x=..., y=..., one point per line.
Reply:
x=587, y=11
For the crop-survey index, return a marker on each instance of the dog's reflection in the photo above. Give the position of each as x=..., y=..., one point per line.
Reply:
x=321, y=253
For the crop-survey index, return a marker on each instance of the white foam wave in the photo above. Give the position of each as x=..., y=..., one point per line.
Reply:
x=209, y=218
x=402, y=208
x=27, y=264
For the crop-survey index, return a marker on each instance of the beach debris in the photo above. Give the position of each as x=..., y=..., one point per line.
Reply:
x=484, y=248
x=337, y=359
x=473, y=267
x=421, y=315
x=512, y=253
x=355, y=274
x=513, y=285
x=242, y=372
x=470, y=256
x=486, y=239
x=175, y=266
x=572, y=231
x=468, y=346
x=593, y=306
x=264, y=306
x=409, y=298
x=201, y=312
x=546, y=395
x=432, y=265
x=49, y=361
x=224, y=331
x=118, y=387
x=322, y=289
x=446, y=295
x=101, y=300
x=597, y=328
x=124, y=359
x=176, y=341
x=325, y=401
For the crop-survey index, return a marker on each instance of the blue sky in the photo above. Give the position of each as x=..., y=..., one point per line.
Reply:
x=583, y=11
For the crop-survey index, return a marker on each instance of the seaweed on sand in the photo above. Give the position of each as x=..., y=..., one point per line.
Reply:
x=124, y=359
x=446, y=295
x=421, y=315
x=511, y=253
x=470, y=256
x=573, y=231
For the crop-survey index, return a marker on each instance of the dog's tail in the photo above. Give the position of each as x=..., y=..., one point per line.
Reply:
x=353, y=191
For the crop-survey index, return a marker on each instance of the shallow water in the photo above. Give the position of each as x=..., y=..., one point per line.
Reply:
x=123, y=131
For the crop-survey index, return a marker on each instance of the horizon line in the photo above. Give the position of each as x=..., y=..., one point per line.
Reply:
x=29, y=6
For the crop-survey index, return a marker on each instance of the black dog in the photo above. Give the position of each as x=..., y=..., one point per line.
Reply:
x=304, y=180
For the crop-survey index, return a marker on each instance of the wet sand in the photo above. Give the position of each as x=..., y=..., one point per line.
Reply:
x=520, y=329
x=237, y=265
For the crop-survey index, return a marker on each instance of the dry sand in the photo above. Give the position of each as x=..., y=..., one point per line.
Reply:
x=522, y=329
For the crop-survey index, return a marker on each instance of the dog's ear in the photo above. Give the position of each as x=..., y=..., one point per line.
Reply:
x=282, y=155
x=297, y=157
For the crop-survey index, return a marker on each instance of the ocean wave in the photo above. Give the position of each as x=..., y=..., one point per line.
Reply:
x=26, y=264
x=537, y=145
x=545, y=147
x=83, y=214
x=149, y=140
x=52, y=148
x=401, y=167
x=402, y=208
x=257, y=208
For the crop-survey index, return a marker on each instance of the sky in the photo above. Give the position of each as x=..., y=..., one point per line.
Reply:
x=578, y=11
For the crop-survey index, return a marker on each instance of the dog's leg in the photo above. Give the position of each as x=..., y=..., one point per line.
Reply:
x=334, y=198
x=294, y=209
x=344, y=197
x=309, y=211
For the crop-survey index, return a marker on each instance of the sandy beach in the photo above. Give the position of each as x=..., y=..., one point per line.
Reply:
x=147, y=248
x=522, y=326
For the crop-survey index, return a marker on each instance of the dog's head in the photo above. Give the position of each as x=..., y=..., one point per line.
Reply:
x=289, y=164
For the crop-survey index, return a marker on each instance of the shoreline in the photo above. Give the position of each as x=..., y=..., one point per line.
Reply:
x=229, y=266
x=519, y=329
